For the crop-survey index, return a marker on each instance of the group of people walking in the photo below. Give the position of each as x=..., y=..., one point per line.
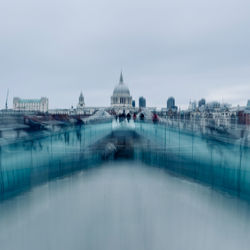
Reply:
x=140, y=116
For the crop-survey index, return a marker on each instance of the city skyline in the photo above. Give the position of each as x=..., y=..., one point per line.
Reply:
x=181, y=106
x=137, y=103
x=187, y=50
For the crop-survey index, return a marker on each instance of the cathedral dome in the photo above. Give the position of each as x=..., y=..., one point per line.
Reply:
x=121, y=95
x=121, y=89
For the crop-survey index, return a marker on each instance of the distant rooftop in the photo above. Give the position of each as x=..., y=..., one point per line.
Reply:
x=29, y=100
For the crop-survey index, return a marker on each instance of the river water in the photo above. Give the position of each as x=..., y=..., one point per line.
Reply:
x=123, y=205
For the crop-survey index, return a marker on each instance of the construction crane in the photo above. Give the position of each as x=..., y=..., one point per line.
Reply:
x=6, y=102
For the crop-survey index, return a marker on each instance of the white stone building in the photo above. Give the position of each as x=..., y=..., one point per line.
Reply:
x=121, y=97
x=39, y=105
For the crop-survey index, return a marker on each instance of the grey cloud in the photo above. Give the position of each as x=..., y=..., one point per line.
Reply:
x=188, y=49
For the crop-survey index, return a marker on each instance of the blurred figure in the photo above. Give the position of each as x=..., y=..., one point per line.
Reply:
x=155, y=118
x=128, y=117
x=142, y=117
x=122, y=117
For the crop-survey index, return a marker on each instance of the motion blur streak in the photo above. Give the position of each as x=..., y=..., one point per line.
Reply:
x=123, y=205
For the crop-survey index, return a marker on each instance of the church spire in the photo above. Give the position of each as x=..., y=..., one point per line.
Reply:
x=121, y=78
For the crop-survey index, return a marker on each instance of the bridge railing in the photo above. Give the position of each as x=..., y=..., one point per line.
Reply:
x=41, y=156
x=225, y=164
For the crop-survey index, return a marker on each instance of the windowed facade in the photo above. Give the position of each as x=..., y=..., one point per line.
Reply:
x=40, y=105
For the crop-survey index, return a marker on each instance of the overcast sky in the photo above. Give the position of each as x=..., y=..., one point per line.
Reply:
x=188, y=49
